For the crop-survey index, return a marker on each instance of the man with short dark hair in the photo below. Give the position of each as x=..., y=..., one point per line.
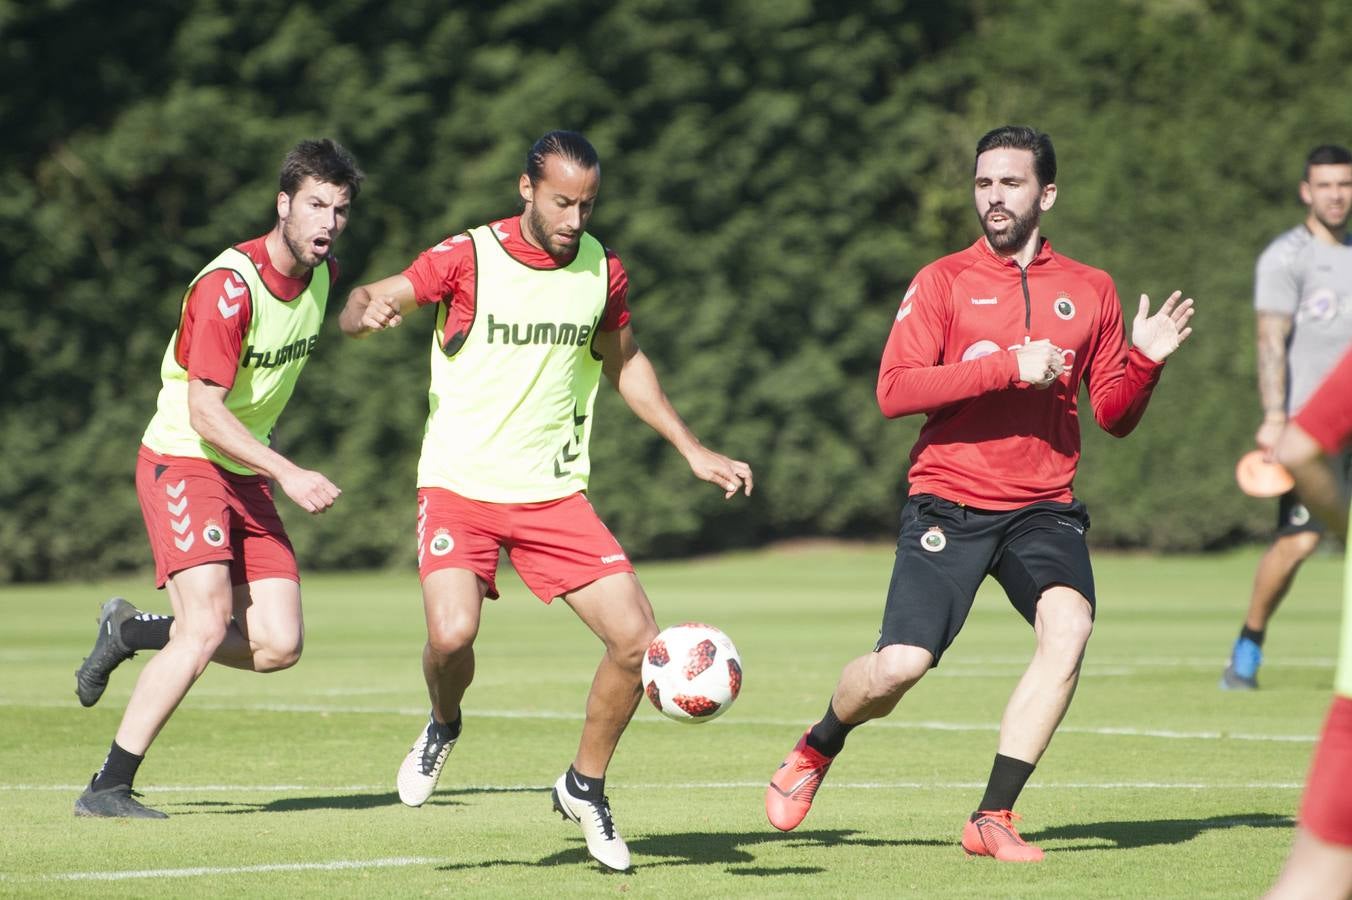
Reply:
x=1303, y=297
x=249, y=322
x=992, y=344
x=531, y=310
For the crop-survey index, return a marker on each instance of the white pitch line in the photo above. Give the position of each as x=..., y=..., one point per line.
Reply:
x=649, y=719
x=197, y=872
x=674, y=786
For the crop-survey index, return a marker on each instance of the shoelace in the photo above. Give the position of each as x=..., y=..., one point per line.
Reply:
x=602, y=812
x=1006, y=818
x=434, y=751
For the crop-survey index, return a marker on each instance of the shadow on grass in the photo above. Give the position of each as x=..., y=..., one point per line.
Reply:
x=1149, y=832
x=703, y=848
x=443, y=797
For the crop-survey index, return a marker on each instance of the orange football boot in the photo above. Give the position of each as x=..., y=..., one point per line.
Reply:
x=993, y=834
x=789, y=796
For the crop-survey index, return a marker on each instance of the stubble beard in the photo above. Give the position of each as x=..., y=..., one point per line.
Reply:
x=1016, y=234
x=540, y=229
x=300, y=252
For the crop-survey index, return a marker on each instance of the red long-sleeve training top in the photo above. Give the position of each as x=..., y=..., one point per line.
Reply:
x=989, y=440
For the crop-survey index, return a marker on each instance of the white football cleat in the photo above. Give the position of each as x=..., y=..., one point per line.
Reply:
x=422, y=767
x=598, y=826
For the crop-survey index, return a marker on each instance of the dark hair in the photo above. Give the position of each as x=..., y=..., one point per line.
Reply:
x=1327, y=155
x=323, y=160
x=568, y=144
x=1021, y=137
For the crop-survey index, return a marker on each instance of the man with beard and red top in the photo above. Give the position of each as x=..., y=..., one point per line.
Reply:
x=992, y=344
x=249, y=322
x=531, y=311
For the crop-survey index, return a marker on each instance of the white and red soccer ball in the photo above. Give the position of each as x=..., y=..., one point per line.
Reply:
x=692, y=672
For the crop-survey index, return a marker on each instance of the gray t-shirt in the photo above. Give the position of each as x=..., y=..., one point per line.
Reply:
x=1310, y=281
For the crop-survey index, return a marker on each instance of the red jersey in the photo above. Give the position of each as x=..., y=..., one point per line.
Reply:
x=446, y=273
x=216, y=315
x=1327, y=415
x=990, y=441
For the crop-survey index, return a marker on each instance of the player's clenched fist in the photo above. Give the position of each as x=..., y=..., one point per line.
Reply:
x=1040, y=363
x=310, y=490
x=381, y=313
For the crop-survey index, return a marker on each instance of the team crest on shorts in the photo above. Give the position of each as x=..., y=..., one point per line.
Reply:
x=934, y=539
x=1064, y=307
x=441, y=543
x=1300, y=515
x=213, y=533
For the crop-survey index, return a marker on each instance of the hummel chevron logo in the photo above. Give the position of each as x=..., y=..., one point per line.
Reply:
x=228, y=310
x=176, y=489
x=449, y=243
x=181, y=525
x=233, y=288
x=176, y=509
x=185, y=543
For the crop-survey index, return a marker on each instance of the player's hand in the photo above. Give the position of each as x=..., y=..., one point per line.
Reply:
x=732, y=475
x=1267, y=435
x=381, y=313
x=1160, y=334
x=1040, y=363
x=309, y=490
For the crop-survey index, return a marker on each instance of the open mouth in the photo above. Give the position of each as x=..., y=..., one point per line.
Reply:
x=321, y=246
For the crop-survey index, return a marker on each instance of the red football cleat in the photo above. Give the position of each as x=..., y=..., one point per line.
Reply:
x=789, y=796
x=993, y=834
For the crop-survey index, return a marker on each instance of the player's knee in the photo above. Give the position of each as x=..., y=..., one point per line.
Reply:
x=895, y=670
x=279, y=654
x=627, y=650
x=1065, y=634
x=452, y=636
x=1299, y=546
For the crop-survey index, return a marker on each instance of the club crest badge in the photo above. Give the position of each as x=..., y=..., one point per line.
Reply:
x=1064, y=307
x=934, y=539
x=1300, y=515
x=442, y=543
x=213, y=533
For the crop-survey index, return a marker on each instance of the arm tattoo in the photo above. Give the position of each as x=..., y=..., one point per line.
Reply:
x=1273, y=331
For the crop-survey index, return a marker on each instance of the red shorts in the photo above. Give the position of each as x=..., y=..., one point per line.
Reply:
x=196, y=512
x=556, y=546
x=1327, y=808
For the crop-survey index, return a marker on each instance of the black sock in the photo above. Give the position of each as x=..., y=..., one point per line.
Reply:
x=827, y=737
x=585, y=788
x=1255, y=636
x=448, y=732
x=119, y=768
x=146, y=631
x=1008, y=776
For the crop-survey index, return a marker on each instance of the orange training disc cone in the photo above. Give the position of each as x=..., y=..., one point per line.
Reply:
x=1260, y=477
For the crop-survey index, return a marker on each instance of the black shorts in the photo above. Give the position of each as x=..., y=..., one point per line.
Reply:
x=1293, y=517
x=945, y=550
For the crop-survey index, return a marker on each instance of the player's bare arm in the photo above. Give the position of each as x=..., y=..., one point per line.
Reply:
x=1158, y=336
x=1274, y=330
x=630, y=371
x=1316, y=482
x=377, y=306
x=210, y=418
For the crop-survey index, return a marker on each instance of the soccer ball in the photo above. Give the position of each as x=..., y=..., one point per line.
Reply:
x=692, y=672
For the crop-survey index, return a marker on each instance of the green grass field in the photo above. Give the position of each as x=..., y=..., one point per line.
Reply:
x=1158, y=784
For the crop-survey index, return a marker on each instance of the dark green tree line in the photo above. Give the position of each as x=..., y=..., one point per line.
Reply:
x=774, y=173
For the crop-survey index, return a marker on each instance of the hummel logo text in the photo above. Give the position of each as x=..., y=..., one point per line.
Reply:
x=985, y=301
